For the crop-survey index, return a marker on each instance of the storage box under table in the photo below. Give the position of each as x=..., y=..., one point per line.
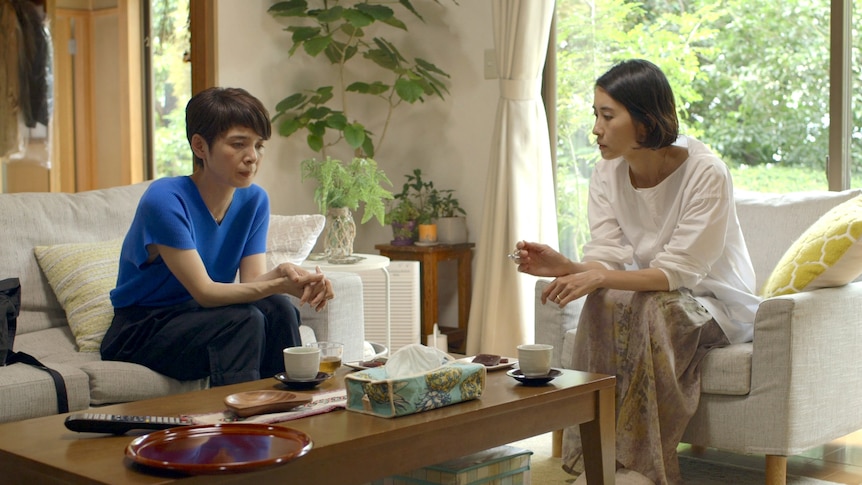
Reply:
x=503, y=465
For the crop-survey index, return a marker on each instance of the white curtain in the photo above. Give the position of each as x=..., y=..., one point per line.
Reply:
x=519, y=192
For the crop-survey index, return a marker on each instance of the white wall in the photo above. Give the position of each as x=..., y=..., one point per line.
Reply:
x=449, y=140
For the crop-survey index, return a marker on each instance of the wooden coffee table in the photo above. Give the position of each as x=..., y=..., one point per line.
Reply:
x=349, y=447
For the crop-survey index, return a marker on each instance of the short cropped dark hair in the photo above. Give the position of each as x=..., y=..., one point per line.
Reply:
x=644, y=90
x=213, y=111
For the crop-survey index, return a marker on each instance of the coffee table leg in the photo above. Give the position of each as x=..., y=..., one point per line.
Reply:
x=599, y=441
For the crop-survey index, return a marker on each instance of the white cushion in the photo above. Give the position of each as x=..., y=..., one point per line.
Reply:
x=291, y=238
x=727, y=370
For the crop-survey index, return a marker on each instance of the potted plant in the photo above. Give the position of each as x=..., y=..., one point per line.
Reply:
x=402, y=217
x=342, y=188
x=352, y=31
x=451, y=218
x=422, y=197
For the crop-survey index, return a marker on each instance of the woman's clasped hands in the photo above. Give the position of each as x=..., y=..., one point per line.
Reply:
x=311, y=288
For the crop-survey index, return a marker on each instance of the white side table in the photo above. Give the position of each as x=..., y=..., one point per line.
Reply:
x=367, y=263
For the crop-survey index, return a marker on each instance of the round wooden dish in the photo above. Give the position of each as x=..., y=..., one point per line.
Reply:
x=250, y=403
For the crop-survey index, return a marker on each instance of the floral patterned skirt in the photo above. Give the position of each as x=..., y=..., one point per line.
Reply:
x=653, y=343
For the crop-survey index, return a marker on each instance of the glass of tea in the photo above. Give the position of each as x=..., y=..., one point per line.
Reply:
x=330, y=355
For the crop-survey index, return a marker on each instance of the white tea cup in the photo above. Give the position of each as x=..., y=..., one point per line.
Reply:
x=301, y=363
x=534, y=360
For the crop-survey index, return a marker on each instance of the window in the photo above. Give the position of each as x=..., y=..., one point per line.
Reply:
x=751, y=77
x=170, y=87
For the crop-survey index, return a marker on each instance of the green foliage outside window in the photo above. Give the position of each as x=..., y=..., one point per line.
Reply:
x=751, y=79
x=170, y=42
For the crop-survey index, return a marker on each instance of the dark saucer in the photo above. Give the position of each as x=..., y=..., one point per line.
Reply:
x=533, y=381
x=303, y=384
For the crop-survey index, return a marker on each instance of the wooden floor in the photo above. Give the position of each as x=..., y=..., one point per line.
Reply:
x=839, y=461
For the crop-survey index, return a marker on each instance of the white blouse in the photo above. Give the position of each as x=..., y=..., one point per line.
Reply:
x=685, y=226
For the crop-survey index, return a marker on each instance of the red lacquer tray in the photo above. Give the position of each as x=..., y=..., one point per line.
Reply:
x=219, y=448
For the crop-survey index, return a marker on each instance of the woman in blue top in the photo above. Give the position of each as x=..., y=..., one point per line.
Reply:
x=193, y=297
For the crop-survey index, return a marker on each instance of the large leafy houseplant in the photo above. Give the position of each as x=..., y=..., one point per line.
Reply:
x=342, y=32
x=351, y=31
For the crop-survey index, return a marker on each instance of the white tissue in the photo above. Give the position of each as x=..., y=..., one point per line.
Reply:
x=414, y=359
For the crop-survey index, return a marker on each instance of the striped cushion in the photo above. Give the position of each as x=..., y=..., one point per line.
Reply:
x=82, y=276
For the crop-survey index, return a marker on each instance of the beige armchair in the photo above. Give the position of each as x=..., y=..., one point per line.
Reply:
x=798, y=384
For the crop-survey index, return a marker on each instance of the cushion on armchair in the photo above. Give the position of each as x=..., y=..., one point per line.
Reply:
x=827, y=254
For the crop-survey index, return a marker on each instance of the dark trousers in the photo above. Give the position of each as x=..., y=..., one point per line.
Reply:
x=228, y=344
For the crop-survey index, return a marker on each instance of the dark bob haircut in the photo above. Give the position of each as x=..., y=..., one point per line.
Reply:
x=643, y=89
x=213, y=111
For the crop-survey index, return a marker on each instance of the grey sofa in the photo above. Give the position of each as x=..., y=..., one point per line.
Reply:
x=36, y=219
x=797, y=385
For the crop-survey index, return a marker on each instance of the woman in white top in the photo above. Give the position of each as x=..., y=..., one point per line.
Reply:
x=666, y=273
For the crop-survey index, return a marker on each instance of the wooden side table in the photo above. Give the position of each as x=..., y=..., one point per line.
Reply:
x=429, y=257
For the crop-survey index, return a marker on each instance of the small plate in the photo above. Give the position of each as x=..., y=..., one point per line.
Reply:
x=302, y=385
x=361, y=365
x=250, y=403
x=500, y=366
x=219, y=448
x=534, y=381
x=426, y=243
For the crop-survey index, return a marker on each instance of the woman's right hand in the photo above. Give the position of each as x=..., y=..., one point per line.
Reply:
x=540, y=260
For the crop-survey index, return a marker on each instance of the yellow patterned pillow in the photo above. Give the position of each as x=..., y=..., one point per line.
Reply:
x=82, y=276
x=829, y=253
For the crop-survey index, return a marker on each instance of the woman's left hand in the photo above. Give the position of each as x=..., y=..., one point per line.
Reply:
x=312, y=288
x=568, y=288
x=319, y=290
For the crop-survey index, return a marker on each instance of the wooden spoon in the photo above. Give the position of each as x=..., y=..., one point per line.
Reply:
x=250, y=403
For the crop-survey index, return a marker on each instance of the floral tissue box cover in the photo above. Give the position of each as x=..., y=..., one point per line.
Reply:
x=371, y=391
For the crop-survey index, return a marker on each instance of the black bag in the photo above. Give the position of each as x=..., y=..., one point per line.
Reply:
x=10, y=304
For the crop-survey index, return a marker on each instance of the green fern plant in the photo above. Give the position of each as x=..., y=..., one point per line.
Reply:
x=349, y=184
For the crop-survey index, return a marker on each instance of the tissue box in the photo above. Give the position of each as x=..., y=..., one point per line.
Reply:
x=371, y=391
x=503, y=465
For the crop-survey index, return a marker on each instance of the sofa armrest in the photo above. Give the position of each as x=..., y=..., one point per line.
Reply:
x=805, y=379
x=343, y=319
x=553, y=322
